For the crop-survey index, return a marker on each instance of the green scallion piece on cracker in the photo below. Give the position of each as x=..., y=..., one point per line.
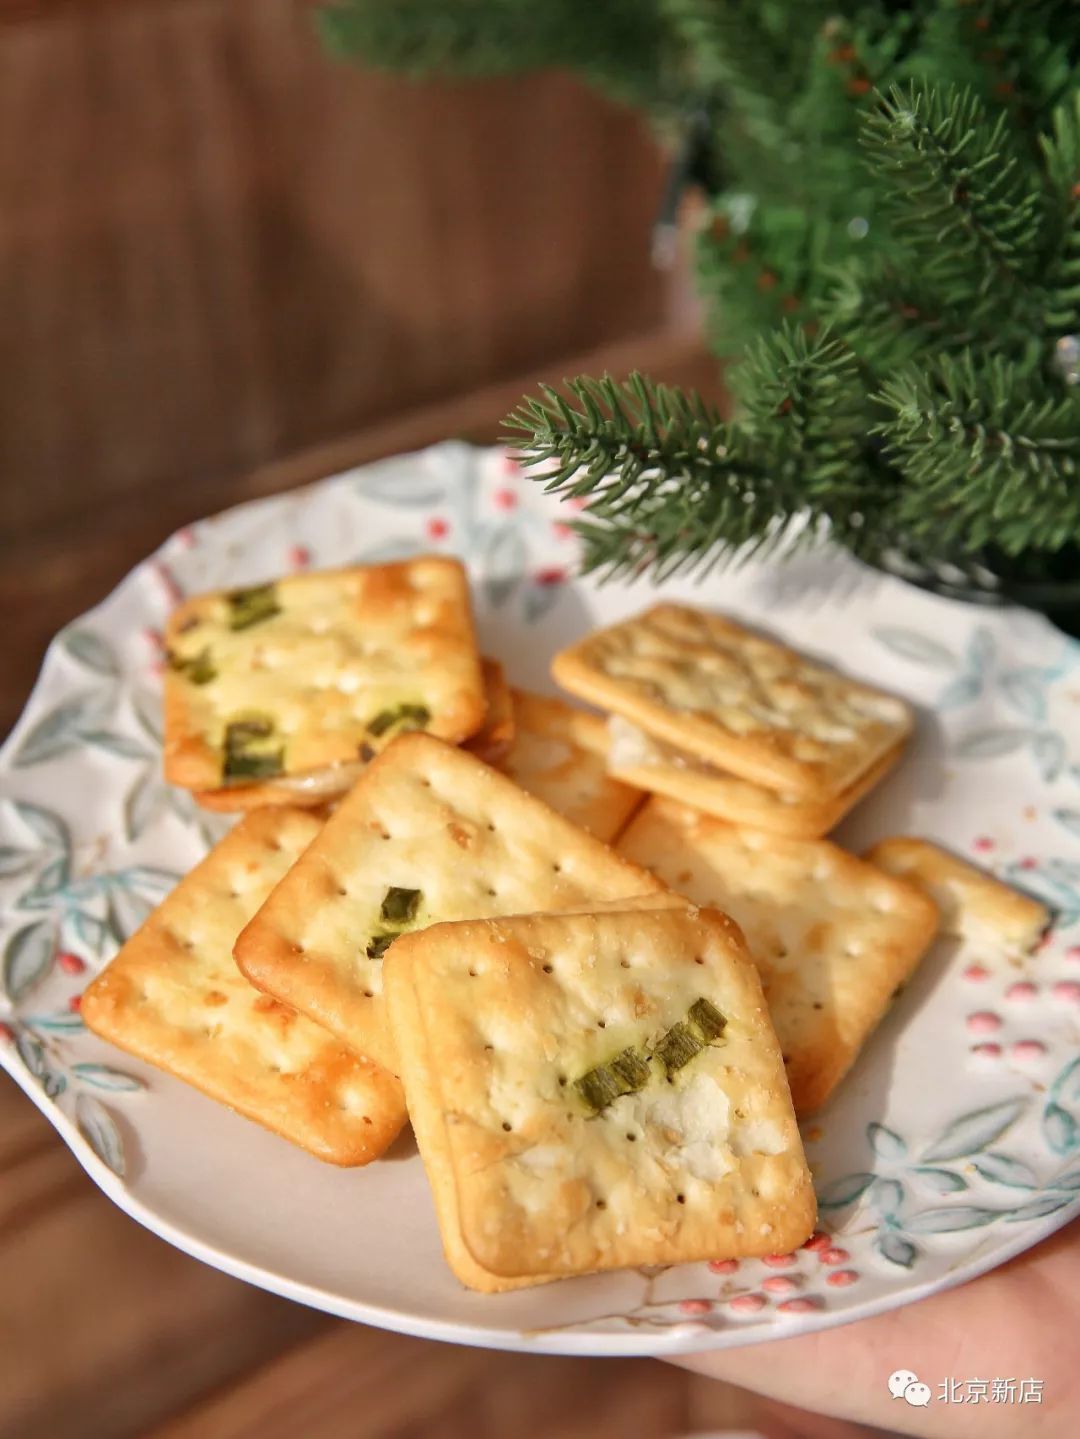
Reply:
x=379, y=944
x=252, y=606
x=401, y=717
x=602, y=1085
x=399, y=906
x=199, y=669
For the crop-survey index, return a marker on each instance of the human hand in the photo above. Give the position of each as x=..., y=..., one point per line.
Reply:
x=1018, y=1321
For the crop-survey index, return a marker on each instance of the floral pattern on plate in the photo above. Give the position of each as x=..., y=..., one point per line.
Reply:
x=921, y=1183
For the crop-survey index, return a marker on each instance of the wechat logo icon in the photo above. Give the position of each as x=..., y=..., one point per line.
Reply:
x=903, y=1384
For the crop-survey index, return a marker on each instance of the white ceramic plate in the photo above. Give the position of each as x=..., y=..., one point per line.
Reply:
x=954, y=1144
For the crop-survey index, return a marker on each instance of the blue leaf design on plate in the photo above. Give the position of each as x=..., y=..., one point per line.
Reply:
x=503, y=563
x=28, y=958
x=147, y=877
x=980, y=649
x=90, y=650
x=121, y=745
x=43, y=892
x=144, y=801
x=960, y=691
x=98, y=1128
x=63, y=1022
x=975, y=1131
x=887, y=1196
x=58, y=732
x=101, y=1076
x=1025, y=690
x=1069, y=1180
x=1039, y=1208
x=1002, y=1169
x=1069, y=819
x=1049, y=752
x=147, y=711
x=32, y=1053
x=89, y=930
x=1060, y=1123
x=126, y=911
x=885, y=1142
x=1048, y=882
x=896, y=1249
x=403, y=484
x=941, y=1181
x=14, y=861
x=538, y=600
x=844, y=1191
x=918, y=648
x=990, y=743
x=45, y=824
x=948, y=1221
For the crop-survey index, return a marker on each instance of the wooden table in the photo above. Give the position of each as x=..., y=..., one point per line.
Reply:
x=106, y=1330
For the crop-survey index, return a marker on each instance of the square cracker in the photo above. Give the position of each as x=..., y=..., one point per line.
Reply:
x=497, y=1020
x=659, y=768
x=832, y=936
x=322, y=662
x=973, y=904
x=424, y=817
x=558, y=755
x=320, y=787
x=747, y=704
x=174, y=997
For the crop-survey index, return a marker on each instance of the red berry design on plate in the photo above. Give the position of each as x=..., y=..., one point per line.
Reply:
x=983, y=1022
x=1073, y=953
x=778, y=1261
x=504, y=499
x=1027, y=1049
x=818, y=1240
x=983, y=844
x=976, y=973
x=840, y=1278
x=75, y=1003
x=1023, y=990
x=1028, y=862
x=780, y=1284
x=299, y=557
x=553, y=575
x=987, y=1051
x=70, y=963
x=561, y=531
x=723, y=1266
x=747, y=1303
x=1068, y=990
x=437, y=528
x=6, y=1032
x=694, y=1306
x=799, y=1306
x=834, y=1256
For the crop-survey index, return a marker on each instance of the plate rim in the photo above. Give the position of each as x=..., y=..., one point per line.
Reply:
x=662, y=1341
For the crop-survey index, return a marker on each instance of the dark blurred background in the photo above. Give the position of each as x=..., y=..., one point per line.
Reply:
x=227, y=266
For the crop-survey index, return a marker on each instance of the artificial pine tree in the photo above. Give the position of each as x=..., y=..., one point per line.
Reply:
x=893, y=242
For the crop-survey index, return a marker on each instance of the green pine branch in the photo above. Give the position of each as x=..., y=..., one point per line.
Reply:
x=1061, y=155
x=961, y=202
x=985, y=457
x=671, y=485
x=622, y=46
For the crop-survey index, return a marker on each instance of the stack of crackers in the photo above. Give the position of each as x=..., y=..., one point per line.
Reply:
x=453, y=902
